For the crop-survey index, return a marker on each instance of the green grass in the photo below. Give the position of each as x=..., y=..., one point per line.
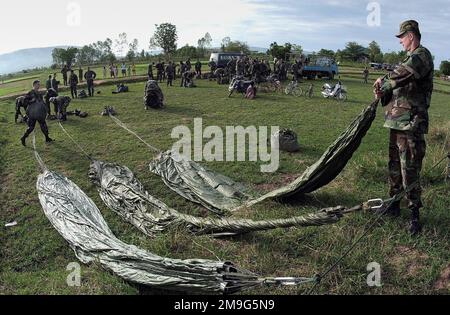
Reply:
x=33, y=257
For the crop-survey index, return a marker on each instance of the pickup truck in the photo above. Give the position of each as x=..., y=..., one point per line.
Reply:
x=321, y=67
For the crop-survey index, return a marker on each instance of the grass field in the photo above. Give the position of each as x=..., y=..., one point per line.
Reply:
x=33, y=257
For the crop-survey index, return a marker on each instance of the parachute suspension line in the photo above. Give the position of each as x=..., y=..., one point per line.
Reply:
x=75, y=142
x=121, y=124
x=387, y=205
x=37, y=156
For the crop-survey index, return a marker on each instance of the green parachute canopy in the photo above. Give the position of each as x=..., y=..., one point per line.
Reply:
x=220, y=194
x=121, y=191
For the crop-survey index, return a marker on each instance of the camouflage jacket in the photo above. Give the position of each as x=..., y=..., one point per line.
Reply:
x=407, y=93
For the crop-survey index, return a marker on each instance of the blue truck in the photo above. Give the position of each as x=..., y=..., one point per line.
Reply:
x=321, y=67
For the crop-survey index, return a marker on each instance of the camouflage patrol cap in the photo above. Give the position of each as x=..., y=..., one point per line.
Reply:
x=408, y=26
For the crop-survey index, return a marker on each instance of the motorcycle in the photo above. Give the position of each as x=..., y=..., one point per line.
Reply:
x=240, y=85
x=337, y=91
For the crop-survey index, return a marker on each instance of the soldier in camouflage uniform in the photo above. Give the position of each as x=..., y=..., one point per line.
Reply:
x=406, y=96
x=61, y=103
x=36, y=112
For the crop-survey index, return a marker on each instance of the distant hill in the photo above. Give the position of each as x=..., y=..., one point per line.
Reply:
x=42, y=57
x=26, y=59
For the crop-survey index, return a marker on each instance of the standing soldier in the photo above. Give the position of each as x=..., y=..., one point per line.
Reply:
x=366, y=75
x=240, y=67
x=198, y=69
x=213, y=67
x=169, y=71
x=90, y=77
x=80, y=74
x=188, y=64
x=55, y=83
x=64, y=74
x=406, y=93
x=182, y=71
x=150, y=71
x=48, y=83
x=36, y=112
x=73, y=81
x=163, y=70
x=159, y=72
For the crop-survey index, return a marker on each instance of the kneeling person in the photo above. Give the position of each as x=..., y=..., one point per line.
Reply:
x=61, y=103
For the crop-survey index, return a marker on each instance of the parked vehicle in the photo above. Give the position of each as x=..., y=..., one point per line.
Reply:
x=337, y=91
x=222, y=59
x=321, y=67
x=294, y=88
x=240, y=85
x=376, y=66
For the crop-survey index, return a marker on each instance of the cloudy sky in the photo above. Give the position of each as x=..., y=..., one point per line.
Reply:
x=312, y=24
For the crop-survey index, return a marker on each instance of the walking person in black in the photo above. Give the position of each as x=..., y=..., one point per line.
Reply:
x=90, y=77
x=73, y=81
x=36, y=112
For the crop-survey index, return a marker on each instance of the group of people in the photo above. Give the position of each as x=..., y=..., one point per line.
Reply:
x=405, y=94
x=72, y=80
x=256, y=69
x=172, y=71
x=126, y=70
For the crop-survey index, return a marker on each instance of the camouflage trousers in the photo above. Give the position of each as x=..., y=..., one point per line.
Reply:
x=406, y=153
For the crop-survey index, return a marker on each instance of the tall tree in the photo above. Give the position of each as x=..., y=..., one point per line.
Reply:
x=121, y=43
x=64, y=56
x=225, y=42
x=133, y=50
x=86, y=55
x=187, y=52
x=354, y=52
x=278, y=51
x=165, y=37
x=237, y=46
x=208, y=40
x=327, y=53
x=445, y=67
x=374, y=51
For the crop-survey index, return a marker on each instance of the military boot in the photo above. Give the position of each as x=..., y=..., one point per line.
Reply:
x=415, y=227
x=394, y=209
x=23, y=141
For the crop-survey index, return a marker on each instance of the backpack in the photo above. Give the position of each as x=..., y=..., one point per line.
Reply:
x=287, y=139
x=153, y=97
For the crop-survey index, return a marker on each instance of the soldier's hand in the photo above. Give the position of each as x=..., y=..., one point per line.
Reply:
x=378, y=93
x=378, y=83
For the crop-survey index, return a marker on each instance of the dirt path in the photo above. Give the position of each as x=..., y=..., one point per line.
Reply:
x=84, y=85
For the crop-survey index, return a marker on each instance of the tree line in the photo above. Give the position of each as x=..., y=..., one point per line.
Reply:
x=165, y=37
